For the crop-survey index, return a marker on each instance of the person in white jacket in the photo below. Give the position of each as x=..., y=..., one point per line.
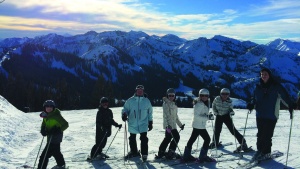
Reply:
x=170, y=119
x=201, y=116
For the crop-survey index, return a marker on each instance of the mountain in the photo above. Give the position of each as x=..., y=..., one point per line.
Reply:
x=112, y=63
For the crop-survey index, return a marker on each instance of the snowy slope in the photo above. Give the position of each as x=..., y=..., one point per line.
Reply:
x=20, y=138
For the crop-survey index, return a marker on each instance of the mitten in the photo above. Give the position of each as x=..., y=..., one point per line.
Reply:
x=250, y=106
x=44, y=131
x=182, y=126
x=169, y=129
x=119, y=125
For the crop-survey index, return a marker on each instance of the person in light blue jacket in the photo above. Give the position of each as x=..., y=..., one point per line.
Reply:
x=137, y=110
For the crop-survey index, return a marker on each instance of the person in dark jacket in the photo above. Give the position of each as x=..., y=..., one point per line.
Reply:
x=104, y=122
x=52, y=126
x=267, y=97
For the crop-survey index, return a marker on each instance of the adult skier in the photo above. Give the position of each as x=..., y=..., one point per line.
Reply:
x=266, y=100
x=138, y=111
x=104, y=122
x=201, y=116
x=223, y=110
x=52, y=126
x=170, y=119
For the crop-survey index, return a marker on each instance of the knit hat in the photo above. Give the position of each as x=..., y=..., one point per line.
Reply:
x=266, y=70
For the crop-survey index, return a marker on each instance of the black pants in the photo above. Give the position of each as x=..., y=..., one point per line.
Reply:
x=53, y=150
x=228, y=122
x=144, y=143
x=101, y=139
x=203, y=133
x=265, y=132
x=168, y=138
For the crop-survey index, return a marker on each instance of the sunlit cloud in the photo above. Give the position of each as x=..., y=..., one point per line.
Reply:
x=79, y=16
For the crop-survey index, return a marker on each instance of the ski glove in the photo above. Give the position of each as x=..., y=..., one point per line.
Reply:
x=168, y=129
x=291, y=109
x=250, y=106
x=231, y=113
x=150, y=125
x=119, y=126
x=124, y=117
x=210, y=116
x=182, y=126
x=43, y=114
x=44, y=131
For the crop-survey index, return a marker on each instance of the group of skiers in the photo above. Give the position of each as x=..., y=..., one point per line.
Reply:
x=137, y=112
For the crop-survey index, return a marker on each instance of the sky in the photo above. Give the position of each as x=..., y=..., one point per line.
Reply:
x=259, y=21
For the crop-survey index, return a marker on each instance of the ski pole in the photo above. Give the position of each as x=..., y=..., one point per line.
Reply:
x=176, y=143
x=291, y=126
x=233, y=131
x=46, y=150
x=249, y=112
x=99, y=145
x=38, y=152
x=112, y=141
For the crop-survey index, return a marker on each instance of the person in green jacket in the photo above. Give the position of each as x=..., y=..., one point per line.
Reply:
x=52, y=126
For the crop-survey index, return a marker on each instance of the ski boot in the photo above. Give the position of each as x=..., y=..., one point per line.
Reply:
x=131, y=155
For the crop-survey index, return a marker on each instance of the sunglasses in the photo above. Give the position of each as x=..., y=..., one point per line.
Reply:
x=225, y=94
x=203, y=95
x=139, y=87
x=171, y=95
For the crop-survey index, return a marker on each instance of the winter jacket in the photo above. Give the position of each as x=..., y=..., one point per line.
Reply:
x=267, y=98
x=200, y=114
x=55, y=120
x=104, y=121
x=221, y=107
x=139, y=111
x=170, y=115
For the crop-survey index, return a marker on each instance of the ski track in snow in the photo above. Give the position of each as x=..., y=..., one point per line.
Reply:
x=20, y=140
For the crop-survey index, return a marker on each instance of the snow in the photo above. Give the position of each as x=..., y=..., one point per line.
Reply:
x=20, y=138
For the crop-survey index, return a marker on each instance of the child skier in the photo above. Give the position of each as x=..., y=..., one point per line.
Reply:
x=222, y=109
x=170, y=119
x=104, y=121
x=53, y=126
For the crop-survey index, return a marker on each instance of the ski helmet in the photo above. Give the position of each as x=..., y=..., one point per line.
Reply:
x=225, y=90
x=170, y=90
x=203, y=92
x=104, y=100
x=49, y=103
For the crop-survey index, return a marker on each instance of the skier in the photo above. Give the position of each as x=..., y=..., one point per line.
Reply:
x=267, y=96
x=170, y=119
x=52, y=126
x=223, y=110
x=104, y=122
x=138, y=111
x=201, y=116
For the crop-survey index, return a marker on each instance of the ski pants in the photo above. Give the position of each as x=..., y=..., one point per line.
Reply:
x=195, y=133
x=265, y=132
x=169, y=138
x=229, y=123
x=53, y=150
x=144, y=143
x=101, y=140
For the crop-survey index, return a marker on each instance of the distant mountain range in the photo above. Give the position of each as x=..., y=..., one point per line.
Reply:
x=126, y=59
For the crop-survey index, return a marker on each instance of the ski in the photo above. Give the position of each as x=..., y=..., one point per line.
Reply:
x=249, y=150
x=251, y=164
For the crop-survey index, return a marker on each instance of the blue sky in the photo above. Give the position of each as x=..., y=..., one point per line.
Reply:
x=259, y=21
